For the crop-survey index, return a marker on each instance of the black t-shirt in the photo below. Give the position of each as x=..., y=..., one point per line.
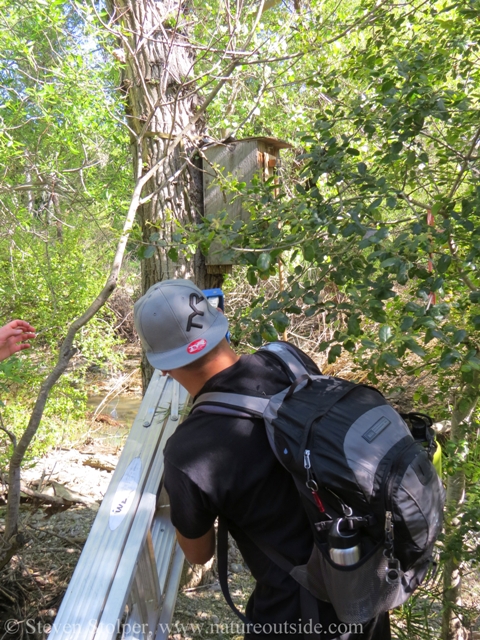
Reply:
x=216, y=464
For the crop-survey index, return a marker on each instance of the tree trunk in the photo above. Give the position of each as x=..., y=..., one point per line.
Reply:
x=161, y=107
x=452, y=628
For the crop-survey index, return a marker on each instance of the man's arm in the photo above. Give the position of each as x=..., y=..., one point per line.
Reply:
x=198, y=550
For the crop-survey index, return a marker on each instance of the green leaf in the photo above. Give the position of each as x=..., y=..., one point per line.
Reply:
x=439, y=310
x=252, y=277
x=443, y=263
x=362, y=168
x=391, y=202
x=173, y=254
x=368, y=344
x=448, y=359
x=308, y=252
x=349, y=345
x=256, y=339
x=268, y=333
x=390, y=359
x=401, y=349
x=415, y=308
x=149, y=252
x=402, y=273
x=300, y=189
x=474, y=296
x=375, y=204
x=474, y=362
x=430, y=334
x=415, y=348
x=280, y=321
x=459, y=336
x=396, y=147
x=334, y=352
x=389, y=262
x=353, y=326
x=407, y=323
x=385, y=333
x=263, y=262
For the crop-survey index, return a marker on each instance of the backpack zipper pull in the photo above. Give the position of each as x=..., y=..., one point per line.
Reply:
x=388, y=534
x=388, y=524
x=311, y=484
x=306, y=459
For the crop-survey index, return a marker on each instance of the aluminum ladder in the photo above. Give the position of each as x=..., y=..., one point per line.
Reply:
x=126, y=581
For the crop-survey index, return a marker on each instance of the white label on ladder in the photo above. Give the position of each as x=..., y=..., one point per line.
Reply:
x=123, y=498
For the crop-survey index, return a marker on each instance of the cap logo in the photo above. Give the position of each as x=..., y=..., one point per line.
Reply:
x=197, y=345
x=194, y=298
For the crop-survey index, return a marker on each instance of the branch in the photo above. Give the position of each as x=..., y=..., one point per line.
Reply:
x=10, y=434
x=66, y=351
x=464, y=166
x=417, y=203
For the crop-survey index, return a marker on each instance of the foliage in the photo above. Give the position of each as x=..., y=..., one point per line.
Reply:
x=61, y=195
x=381, y=234
x=376, y=223
x=377, y=159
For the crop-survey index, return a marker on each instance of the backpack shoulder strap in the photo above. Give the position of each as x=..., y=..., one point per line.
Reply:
x=231, y=404
x=244, y=406
x=288, y=357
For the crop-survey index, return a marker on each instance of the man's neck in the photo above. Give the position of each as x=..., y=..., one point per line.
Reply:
x=194, y=378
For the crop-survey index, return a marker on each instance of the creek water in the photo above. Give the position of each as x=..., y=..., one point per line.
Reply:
x=122, y=409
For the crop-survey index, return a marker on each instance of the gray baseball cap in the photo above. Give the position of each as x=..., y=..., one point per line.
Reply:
x=176, y=324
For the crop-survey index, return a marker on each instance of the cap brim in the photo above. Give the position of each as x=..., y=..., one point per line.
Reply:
x=180, y=357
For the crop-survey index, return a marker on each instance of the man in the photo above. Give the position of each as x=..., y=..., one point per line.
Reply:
x=223, y=465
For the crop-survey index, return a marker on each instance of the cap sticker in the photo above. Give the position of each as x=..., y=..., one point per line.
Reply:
x=197, y=345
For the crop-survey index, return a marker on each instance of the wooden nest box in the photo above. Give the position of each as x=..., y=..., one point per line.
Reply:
x=242, y=159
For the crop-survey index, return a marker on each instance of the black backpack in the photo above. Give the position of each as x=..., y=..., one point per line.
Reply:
x=370, y=490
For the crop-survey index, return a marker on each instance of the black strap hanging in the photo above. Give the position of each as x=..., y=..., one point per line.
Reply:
x=222, y=561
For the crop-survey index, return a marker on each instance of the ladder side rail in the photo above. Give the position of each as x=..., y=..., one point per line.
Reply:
x=168, y=607
x=147, y=572
x=95, y=571
x=106, y=626
x=117, y=598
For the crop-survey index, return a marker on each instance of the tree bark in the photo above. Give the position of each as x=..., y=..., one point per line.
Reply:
x=161, y=107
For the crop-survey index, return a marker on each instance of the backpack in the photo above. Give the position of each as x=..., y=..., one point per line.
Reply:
x=366, y=484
